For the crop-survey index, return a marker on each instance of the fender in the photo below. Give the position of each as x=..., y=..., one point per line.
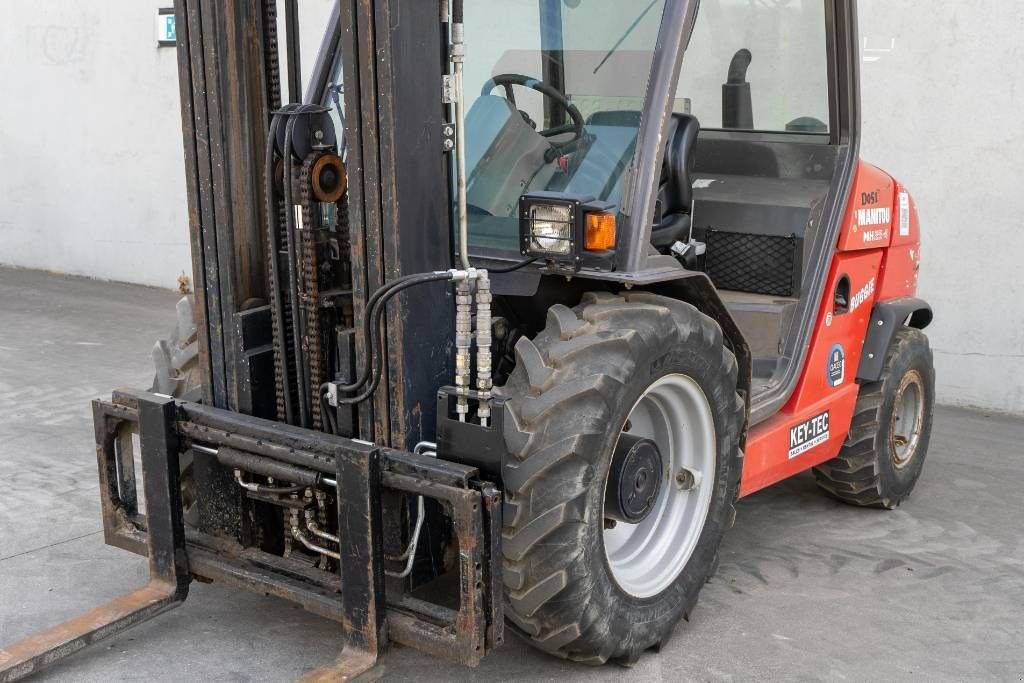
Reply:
x=886, y=318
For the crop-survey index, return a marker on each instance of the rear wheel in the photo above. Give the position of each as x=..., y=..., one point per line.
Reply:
x=624, y=437
x=884, y=453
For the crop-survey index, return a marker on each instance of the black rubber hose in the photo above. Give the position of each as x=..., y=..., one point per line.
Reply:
x=330, y=419
x=275, y=275
x=370, y=369
x=367, y=320
x=293, y=281
x=376, y=347
x=514, y=267
x=371, y=326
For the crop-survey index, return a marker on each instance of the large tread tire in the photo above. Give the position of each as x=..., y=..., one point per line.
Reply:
x=177, y=374
x=864, y=472
x=176, y=358
x=568, y=398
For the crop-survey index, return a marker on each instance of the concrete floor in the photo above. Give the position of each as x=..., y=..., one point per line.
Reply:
x=807, y=589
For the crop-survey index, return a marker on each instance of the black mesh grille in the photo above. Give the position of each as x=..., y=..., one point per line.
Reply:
x=760, y=264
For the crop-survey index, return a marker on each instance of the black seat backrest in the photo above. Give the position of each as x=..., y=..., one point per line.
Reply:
x=676, y=191
x=677, y=171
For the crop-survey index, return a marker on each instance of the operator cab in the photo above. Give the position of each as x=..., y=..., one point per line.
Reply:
x=556, y=103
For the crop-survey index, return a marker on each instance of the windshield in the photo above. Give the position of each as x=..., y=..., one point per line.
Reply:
x=555, y=91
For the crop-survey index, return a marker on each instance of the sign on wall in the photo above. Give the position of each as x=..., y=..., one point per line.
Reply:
x=166, y=35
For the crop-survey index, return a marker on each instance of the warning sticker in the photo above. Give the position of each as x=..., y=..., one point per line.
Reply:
x=904, y=214
x=837, y=366
x=806, y=435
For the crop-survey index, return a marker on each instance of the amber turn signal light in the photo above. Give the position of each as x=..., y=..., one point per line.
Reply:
x=600, y=232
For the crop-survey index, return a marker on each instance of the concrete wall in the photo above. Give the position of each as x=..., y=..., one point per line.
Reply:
x=92, y=179
x=91, y=171
x=942, y=95
x=91, y=166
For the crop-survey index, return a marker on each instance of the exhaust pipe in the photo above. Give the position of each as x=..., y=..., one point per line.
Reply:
x=737, y=108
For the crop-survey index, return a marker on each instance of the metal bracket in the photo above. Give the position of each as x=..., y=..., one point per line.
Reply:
x=448, y=94
x=362, y=572
x=448, y=133
x=168, y=562
x=355, y=596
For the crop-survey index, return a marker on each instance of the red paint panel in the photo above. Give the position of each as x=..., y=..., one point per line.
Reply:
x=767, y=458
x=903, y=259
x=822, y=387
x=868, y=223
x=899, y=272
x=906, y=225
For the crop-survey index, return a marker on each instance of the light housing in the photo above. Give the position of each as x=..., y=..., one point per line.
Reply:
x=600, y=231
x=567, y=229
x=551, y=228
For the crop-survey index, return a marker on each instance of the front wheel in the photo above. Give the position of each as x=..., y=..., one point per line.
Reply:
x=176, y=363
x=624, y=441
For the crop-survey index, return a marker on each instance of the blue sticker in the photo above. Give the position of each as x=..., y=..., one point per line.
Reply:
x=837, y=366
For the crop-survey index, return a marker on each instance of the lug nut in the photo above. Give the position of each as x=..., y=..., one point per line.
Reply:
x=688, y=479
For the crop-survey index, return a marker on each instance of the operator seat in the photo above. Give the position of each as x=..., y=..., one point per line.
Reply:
x=675, y=194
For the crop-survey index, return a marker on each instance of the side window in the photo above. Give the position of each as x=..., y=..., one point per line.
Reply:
x=777, y=48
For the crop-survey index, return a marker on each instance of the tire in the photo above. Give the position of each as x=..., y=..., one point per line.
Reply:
x=177, y=374
x=176, y=359
x=570, y=395
x=879, y=465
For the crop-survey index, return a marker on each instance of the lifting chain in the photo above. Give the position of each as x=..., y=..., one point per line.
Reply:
x=309, y=233
x=273, y=70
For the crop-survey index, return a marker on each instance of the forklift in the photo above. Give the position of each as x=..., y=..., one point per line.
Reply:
x=494, y=325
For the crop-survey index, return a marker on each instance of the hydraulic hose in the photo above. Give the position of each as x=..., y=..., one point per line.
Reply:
x=371, y=328
x=367, y=318
x=514, y=267
x=458, y=58
x=371, y=321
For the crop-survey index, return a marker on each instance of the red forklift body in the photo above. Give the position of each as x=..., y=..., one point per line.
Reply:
x=876, y=260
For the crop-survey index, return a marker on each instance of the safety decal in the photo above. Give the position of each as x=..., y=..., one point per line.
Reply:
x=837, y=366
x=904, y=214
x=806, y=435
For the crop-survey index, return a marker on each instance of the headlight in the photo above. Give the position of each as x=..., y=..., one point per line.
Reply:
x=551, y=228
x=570, y=230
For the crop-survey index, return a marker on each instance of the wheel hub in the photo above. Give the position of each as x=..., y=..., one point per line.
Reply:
x=647, y=556
x=907, y=420
x=634, y=480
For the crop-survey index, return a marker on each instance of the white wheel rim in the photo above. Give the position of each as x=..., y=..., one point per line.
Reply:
x=907, y=421
x=646, y=558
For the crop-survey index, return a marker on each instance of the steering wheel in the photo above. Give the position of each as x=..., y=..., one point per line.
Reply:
x=506, y=81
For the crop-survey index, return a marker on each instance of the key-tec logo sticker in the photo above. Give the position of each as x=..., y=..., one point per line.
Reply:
x=806, y=435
